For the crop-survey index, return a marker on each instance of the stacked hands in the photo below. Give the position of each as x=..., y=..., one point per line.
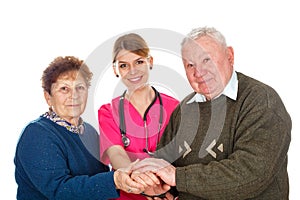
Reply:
x=151, y=177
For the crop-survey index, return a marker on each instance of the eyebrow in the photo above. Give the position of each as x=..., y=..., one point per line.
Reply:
x=63, y=83
x=120, y=61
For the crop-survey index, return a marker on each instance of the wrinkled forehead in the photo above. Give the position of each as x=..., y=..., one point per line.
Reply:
x=70, y=78
x=198, y=47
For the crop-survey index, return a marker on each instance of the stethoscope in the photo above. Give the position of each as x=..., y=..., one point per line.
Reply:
x=125, y=139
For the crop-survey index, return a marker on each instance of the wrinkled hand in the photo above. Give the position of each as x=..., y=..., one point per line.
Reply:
x=147, y=179
x=153, y=184
x=157, y=189
x=124, y=182
x=161, y=168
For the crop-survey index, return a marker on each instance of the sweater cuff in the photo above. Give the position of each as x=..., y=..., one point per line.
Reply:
x=111, y=185
x=181, y=179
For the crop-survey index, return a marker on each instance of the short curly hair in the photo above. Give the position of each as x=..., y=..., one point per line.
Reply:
x=61, y=65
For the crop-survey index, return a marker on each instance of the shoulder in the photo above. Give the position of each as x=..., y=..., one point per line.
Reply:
x=38, y=124
x=40, y=131
x=89, y=128
x=168, y=99
x=108, y=107
x=187, y=98
x=183, y=104
x=251, y=86
x=259, y=96
x=247, y=82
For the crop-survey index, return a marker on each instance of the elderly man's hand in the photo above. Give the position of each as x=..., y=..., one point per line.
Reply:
x=164, y=170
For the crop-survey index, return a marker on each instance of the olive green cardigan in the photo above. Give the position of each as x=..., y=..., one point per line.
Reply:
x=226, y=149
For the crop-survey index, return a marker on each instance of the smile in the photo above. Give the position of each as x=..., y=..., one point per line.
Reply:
x=135, y=79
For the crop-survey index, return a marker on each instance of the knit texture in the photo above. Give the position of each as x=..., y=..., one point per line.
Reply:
x=54, y=163
x=238, y=148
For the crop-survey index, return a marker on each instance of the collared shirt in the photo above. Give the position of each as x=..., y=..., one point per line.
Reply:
x=230, y=90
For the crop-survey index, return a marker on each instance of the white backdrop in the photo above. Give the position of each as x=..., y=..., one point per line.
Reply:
x=264, y=35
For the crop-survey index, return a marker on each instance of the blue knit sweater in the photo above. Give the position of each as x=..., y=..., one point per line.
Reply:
x=54, y=163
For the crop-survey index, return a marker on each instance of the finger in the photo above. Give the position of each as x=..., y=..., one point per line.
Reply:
x=136, y=177
x=169, y=196
x=146, y=180
x=134, y=190
x=166, y=187
x=153, y=177
x=168, y=175
x=135, y=185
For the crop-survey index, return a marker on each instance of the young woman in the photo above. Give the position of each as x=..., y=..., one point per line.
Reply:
x=132, y=124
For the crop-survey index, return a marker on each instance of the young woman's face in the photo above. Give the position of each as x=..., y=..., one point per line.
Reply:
x=133, y=69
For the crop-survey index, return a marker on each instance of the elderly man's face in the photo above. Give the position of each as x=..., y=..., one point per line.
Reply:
x=208, y=65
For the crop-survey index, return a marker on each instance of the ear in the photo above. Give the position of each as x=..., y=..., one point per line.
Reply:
x=151, y=62
x=115, y=71
x=230, y=55
x=48, y=98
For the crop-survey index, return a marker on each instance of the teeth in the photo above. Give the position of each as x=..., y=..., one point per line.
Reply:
x=135, y=79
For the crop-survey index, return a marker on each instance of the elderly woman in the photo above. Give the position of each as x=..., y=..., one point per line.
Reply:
x=57, y=156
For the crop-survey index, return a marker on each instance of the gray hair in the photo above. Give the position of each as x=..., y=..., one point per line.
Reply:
x=205, y=31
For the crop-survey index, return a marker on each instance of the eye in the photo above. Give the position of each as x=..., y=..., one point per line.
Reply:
x=64, y=89
x=122, y=66
x=140, y=62
x=80, y=88
x=190, y=65
x=205, y=60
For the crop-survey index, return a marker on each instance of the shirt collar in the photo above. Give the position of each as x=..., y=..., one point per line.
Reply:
x=230, y=90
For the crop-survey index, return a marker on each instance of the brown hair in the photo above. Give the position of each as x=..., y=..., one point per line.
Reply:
x=61, y=65
x=131, y=42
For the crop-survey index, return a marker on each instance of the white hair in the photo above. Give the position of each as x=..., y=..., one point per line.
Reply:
x=205, y=31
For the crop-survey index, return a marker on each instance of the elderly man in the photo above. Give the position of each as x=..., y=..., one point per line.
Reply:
x=228, y=139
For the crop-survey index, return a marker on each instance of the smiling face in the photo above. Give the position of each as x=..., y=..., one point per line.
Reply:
x=133, y=69
x=208, y=65
x=68, y=96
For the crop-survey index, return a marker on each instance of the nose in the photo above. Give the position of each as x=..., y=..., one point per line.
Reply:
x=132, y=69
x=74, y=93
x=200, y=70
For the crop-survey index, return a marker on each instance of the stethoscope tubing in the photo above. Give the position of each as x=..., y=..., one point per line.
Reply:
x=125, y=140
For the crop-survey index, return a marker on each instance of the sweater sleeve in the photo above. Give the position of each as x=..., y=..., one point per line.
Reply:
x=42, y=158
x=260, y=142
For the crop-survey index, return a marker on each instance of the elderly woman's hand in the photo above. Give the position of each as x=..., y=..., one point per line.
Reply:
x=124, y=182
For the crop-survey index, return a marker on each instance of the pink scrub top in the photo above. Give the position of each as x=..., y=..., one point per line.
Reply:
x=108, y=118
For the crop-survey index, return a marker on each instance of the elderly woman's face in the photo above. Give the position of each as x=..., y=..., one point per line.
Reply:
x=68, y=96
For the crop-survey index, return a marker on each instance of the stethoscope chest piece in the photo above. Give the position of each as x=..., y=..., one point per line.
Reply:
x=125, y=140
